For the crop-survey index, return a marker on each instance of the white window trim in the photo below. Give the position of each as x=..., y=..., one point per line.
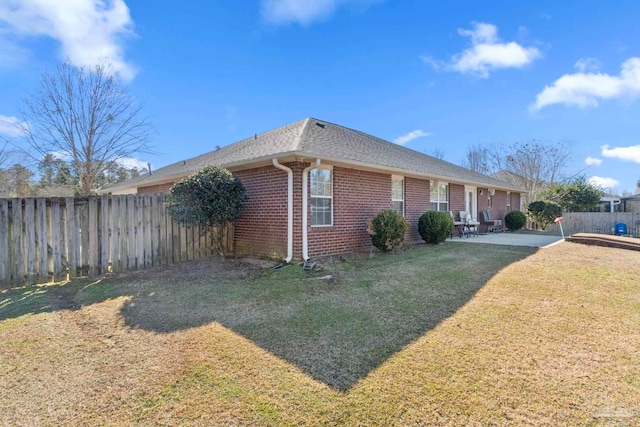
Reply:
x=311, y=196
x=398, y=178
x=438, y=201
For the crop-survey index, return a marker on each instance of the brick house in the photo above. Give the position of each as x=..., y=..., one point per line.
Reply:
x=344, y=178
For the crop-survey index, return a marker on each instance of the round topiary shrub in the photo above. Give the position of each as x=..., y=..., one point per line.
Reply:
x=387, y=230
x=435, y=227
x=515, y=220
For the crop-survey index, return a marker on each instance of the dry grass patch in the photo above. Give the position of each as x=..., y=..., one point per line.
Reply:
x=446, y=335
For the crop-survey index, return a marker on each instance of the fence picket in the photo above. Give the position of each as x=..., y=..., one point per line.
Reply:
x=30, y=240
x=72, y=233
x=5, y=259
x=18, y=251
x=55, y=240
x=105, y=234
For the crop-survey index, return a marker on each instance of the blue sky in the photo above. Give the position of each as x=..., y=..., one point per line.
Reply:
x=429, y=75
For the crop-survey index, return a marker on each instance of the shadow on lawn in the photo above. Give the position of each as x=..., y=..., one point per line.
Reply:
x=336, y=331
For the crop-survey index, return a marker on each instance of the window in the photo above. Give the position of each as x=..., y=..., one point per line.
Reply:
x=397, y=194
x=439, y=196
x=508, y=201
x=490, y=201
x=321, y=197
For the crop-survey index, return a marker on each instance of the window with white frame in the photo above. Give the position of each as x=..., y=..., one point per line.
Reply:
x=439, y=196
x=321, y=197
x=397, y=194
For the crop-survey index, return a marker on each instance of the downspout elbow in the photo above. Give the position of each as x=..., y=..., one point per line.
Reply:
x=289, y=208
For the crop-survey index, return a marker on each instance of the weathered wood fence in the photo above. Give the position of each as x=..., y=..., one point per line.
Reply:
x=52, y=239
x=597, y=222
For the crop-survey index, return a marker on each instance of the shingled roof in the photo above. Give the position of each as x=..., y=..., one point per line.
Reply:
x=313, y=138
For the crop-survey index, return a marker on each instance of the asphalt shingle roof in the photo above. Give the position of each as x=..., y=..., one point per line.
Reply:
x=316, y=138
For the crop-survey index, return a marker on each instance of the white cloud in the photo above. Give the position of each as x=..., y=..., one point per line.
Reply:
x=305, y=11
x=587, y=64
x=404, y=139
x=10, y=126
x=605, y=183
x=585, y=89
x=592, y=161
x=630, y=154
x=132, y=162
x=89, y=31
x=487, y=53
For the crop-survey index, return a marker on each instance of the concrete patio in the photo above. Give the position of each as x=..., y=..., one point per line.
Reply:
x=510, y=239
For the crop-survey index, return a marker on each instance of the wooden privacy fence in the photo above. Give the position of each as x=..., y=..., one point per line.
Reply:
x=45, y=239
x=597, y=222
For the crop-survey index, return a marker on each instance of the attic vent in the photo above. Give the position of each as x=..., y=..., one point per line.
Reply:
x=320, y=125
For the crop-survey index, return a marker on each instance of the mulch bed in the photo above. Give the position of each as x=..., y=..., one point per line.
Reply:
x=606, y=240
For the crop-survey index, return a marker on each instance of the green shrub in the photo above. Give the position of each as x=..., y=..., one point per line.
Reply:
x=543, y=213
x=515, y=220
x=435, y=227
x=210, y=198
x=387, y=230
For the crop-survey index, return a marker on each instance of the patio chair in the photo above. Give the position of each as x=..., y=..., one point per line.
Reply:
x=493, y=225
x=470, y=225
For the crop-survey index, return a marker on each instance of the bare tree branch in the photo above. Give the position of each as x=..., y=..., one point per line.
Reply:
x=88, y=116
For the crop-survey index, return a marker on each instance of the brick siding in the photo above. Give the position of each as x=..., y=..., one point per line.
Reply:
x=160, y=188
x=416, y=198
x=456, y=199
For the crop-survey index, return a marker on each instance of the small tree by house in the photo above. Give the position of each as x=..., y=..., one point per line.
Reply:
x=388, y=230
x=576, y=196
x=543, y=213
x=211, y=199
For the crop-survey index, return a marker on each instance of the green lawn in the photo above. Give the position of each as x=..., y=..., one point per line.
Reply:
x=451, y=334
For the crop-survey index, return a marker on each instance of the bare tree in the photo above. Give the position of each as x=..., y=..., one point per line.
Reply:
x=436, y=152
x=87, y=115
x=531, y=165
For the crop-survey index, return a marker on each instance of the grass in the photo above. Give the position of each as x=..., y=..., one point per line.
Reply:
x=436, y=335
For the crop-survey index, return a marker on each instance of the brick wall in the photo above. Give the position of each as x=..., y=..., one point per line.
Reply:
x=357, y=196
x=515, y=202
x=499, y=208
x=456, y=199
x=416, y=200
x=262, y=229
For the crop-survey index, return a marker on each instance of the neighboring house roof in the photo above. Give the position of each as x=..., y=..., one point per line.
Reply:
x=634, y=197
x=313, y=138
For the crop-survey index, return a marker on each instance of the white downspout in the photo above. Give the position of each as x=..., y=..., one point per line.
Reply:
x=305, y=208
x=289, y=208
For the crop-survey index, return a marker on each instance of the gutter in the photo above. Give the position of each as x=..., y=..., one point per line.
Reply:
x=289, y=208
x=305, y=208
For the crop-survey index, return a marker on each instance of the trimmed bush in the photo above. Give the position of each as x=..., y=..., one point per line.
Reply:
x=543, y=213
x=387, y=230
x=515, y=220
x=210, y=198
x=435, y=227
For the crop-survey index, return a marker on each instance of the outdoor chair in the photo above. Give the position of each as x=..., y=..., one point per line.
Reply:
x=493, y=225
x=469, y=226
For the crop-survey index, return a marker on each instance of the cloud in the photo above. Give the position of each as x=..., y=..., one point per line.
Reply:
x=305, y=12
x=629, y=154
x=603, y=182
x=131, y=163
x=404, y=139
x=89, y=31
x=592, y=161
x=487, y=53
x=587, y=64
x=585, y=89
x=10, y=126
